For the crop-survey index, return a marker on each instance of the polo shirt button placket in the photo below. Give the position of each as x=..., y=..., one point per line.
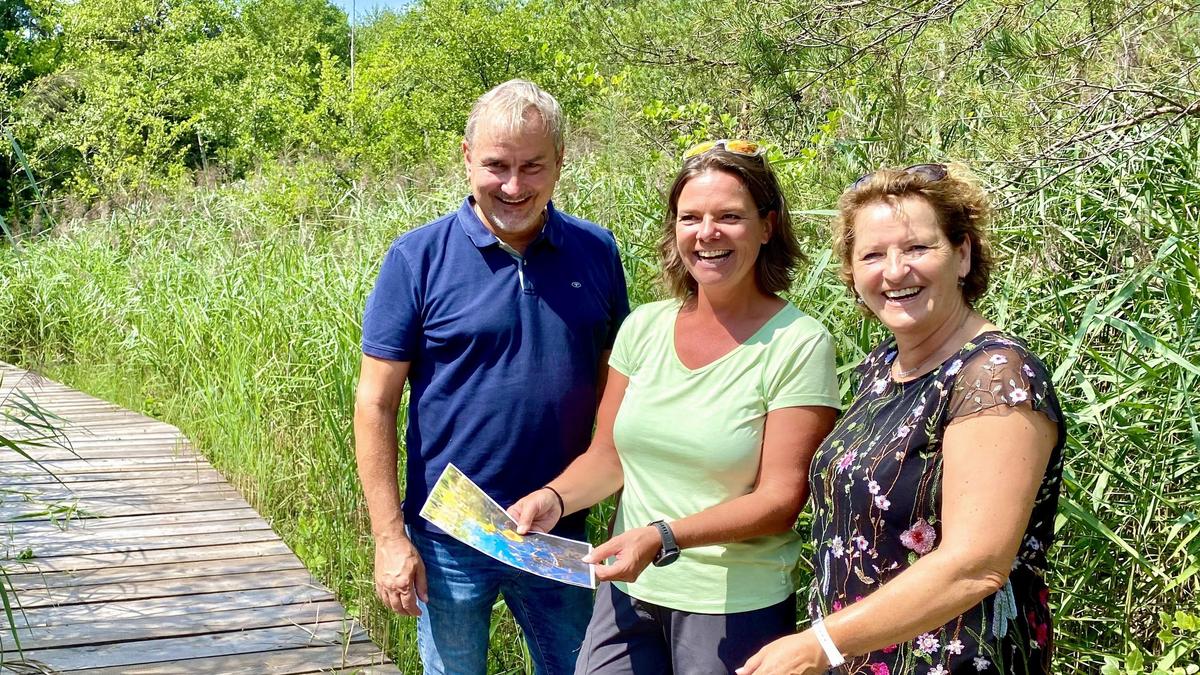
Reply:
x=526, y=284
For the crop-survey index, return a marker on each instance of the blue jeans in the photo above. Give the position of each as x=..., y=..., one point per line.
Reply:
x=453, y=629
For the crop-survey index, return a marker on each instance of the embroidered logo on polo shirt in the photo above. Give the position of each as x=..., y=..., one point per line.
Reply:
x=576, y=284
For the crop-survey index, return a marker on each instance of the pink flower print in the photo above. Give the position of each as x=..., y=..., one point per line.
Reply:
x=879, y=385
x=838, y=547
x=881, y=501
x=927, y=643
x=1017, y=395
x=919, y=537
x=939, y=669
x=981, y=663
x=954, y=367
x=846, y=460
x=873, y=487
x=998, y=359
x=861, y=543
x=903, y=430
x=890, y=648
x=1027, y=370
x=879, y=669
x=954, y=647
x=837, y=605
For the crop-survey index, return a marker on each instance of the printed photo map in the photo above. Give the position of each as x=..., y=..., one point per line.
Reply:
x=468, y=514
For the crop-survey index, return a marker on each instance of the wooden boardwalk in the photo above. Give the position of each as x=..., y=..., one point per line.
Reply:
x=136, y=556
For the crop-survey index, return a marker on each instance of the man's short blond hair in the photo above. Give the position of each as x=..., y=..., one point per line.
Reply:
x=514, y=105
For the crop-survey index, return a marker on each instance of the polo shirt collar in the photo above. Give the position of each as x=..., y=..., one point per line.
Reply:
x=482, y=237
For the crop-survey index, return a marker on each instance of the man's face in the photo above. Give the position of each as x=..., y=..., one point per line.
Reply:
x=512, y=177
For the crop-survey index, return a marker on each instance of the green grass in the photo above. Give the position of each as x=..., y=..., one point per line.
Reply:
x=234, y=314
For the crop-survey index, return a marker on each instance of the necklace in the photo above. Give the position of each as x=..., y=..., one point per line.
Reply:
x=899, y=373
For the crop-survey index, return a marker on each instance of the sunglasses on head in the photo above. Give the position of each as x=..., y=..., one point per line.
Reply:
x=736, y=146
x=930, y=172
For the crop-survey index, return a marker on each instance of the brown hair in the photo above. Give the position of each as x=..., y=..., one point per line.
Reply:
x=961, y=205
x=777, y=259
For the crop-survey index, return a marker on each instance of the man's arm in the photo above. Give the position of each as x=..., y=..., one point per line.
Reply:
x=399, y=572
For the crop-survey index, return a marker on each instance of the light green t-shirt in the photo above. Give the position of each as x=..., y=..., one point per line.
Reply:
x=691, y=439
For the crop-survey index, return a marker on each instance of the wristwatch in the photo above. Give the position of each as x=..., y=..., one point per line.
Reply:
x=669, y=552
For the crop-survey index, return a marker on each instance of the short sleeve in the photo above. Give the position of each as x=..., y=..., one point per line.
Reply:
x=1001, y=375
x=805, y=374
x=392, y=319
x=630, y=343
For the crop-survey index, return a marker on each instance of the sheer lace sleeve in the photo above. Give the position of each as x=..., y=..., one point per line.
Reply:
x=1002, y=374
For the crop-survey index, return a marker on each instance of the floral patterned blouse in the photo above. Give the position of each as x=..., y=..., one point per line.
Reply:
x=876, y=494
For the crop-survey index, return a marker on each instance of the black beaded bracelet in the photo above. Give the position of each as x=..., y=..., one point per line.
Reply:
x=562, y=507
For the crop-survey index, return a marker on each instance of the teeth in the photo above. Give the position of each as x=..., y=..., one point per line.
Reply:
x=512, y=201
x=710, y=255
x=902, y=293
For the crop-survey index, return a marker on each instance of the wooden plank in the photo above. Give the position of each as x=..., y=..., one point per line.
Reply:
x=98, y=533
x=199, y=603
x=126, y=559
x=37, y=477
x=161, y=571
x=57, y=452
x=84, y=466
x=85, y=402
x=121, y=491
x=359, y=657
x=100, y=424
x=98, y=411
x=99, y=508
x=142, y=543
x=161, y=566
x=214, y=644
x=113, y=435
x=117, y=449
x=176, y=626
x=160, y=588
x=77, y=448
x=82, y=442
x=116, y=525
x=54, y=492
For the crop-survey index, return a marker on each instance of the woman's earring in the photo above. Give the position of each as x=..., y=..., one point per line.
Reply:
x=961, y=282
x=858, y=299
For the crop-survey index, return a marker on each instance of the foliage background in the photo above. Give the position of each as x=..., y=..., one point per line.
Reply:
x=195, y=195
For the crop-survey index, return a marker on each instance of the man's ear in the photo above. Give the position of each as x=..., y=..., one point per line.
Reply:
x=466, y=150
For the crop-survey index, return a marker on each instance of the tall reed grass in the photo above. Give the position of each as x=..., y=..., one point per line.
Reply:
x=234, y=314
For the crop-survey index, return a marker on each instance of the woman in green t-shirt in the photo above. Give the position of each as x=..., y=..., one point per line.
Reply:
x=715, y=402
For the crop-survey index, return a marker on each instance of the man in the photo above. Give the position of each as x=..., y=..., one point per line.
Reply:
x=500, y=317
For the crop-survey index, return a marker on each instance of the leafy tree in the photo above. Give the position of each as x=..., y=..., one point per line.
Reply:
x=149, y=91
x=420, y=71
x=28, y=48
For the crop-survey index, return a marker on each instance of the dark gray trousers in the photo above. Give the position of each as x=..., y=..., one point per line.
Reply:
x=627, y=636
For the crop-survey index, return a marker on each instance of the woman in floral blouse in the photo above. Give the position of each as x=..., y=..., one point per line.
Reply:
x=934, y=496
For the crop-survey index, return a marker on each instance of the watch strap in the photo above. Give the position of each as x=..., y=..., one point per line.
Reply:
x=668, y=539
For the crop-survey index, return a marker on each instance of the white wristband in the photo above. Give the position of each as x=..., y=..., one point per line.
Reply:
x=826, y=642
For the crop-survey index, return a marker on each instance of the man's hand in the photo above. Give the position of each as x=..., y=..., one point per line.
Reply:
x=537, y=511
x=790, y=655
x=634, y=550
x=399, y=575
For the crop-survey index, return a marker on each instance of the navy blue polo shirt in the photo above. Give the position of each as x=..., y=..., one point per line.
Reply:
x=504, y=351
